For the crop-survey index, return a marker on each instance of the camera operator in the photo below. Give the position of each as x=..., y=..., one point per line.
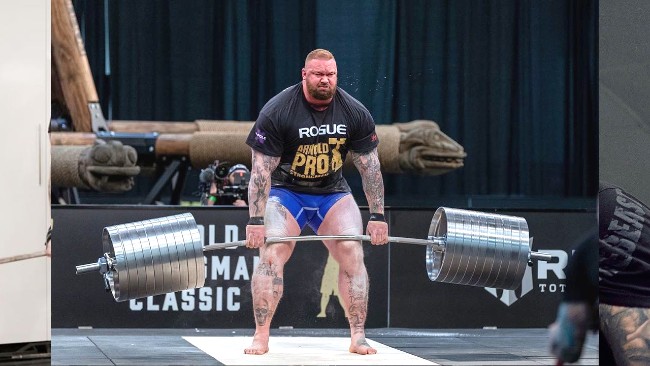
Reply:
x=230, y=188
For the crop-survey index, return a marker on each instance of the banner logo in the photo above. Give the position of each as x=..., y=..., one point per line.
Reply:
x=329, y=285
x=550, y=279
x=508, y=297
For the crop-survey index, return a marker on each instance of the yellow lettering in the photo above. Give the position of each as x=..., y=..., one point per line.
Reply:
x=322, y=163
x=298, y=160
x=310, y=166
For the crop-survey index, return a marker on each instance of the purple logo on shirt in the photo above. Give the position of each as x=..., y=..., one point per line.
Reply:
x=259, y=136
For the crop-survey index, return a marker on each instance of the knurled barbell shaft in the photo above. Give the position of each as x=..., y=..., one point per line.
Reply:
x=437, y=242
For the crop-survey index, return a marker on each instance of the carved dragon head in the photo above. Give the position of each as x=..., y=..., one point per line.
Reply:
x=425, y=149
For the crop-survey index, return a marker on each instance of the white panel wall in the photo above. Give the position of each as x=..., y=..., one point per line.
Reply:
x=25, y=166
x=624, y=93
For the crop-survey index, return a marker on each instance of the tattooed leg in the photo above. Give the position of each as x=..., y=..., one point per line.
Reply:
x=267, y=288
x=267, y=282
x=628, y=333
x=344, y=219
x=354, y=292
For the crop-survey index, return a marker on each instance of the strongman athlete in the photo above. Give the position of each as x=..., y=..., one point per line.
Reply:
x=299, y=143
x=578, y=311
x=624, y=277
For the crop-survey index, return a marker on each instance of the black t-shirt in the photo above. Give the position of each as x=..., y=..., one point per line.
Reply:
x=312, y=145
x=624, y=233
x=582, y=271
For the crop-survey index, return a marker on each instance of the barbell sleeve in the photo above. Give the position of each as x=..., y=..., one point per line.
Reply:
x=90, y=267
x=538, y=256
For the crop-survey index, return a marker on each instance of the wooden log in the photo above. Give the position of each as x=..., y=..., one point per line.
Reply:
x=224, y=125
x=173, y=144
x=72, y=138
x=153, y=126
x=161, y=127
x=57, y=93
x=72, y=65
x=179, y=127
x=166, y=144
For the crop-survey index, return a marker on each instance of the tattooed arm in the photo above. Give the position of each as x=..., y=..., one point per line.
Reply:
x=628, y=333
x=258, y=195
x=260, y=184
x=373, y=184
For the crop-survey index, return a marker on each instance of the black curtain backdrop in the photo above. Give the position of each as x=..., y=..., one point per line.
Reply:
x=513, y=81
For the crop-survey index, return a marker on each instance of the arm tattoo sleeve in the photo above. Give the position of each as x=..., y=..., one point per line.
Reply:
x=260, y=184
x=628, y=333
x=373, y=184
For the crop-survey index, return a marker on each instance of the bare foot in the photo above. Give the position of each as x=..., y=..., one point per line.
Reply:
x=259, y=346
x=362, y=347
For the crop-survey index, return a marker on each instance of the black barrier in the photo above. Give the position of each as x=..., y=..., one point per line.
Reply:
x=417, y=302
x=225, y=302
x=401, y=297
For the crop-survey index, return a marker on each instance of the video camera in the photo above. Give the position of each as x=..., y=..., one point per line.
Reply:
x=231, y=182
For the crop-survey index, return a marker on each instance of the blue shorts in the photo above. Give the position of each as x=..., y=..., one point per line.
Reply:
x=307, y=208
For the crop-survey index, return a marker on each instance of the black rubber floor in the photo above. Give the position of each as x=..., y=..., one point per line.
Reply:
x=445, y=347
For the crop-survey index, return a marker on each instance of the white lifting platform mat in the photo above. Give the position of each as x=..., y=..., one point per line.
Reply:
x=301, y=351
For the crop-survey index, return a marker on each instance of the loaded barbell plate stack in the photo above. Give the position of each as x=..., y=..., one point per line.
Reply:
x=154, y=257
x=480, y=249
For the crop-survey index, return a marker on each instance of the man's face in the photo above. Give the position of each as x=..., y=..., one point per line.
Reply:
x=320, y=77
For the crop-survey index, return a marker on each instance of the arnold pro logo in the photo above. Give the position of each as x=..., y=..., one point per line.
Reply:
x=550, y=278
x=314, y=131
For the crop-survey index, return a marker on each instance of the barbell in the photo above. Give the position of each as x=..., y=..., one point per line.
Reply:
x=163, y=255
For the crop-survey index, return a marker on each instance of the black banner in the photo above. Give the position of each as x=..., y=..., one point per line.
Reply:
x=401, y=294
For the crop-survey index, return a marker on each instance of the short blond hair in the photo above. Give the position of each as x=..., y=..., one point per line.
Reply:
x=319, y=54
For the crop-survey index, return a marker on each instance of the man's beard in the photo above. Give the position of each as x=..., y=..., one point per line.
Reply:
x=321, y=94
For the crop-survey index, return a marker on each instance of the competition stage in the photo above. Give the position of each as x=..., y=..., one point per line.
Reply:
x=113, y=310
